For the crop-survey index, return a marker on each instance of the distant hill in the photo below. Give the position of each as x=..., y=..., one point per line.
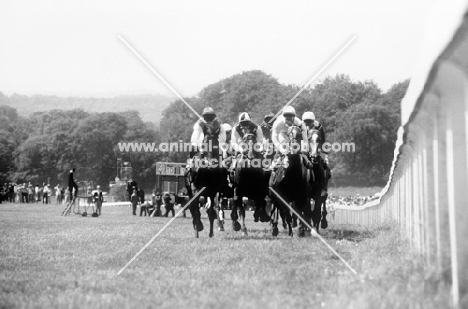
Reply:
x=149, y=106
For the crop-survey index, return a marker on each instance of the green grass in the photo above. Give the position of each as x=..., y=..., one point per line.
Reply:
x=49, y=261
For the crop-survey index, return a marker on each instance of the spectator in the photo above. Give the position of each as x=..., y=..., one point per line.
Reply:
x=24, y=193
x=45, y=192
x=157, y=201
x=50, y=192
x=31, y=193
x=98, y=199
x=168, y=205
x=38, y=193
x=134, y=200
x=58, y=194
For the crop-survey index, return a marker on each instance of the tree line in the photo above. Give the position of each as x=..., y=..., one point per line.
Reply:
x=46, y=144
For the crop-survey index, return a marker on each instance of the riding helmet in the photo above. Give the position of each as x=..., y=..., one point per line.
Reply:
x=244, y=117
x=289, y=111
x=208, y=111
x=268, y=117
x=308, y=116
x=226, y=127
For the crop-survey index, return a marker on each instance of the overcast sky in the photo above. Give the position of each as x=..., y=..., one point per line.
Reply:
x=72, y=47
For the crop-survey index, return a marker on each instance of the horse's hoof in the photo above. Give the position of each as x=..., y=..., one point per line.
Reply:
x=244, y=232
x=301, y=233
x=275, y=232
x=236, y=226
x=211, y=235
x=324, y=223
x=199, y=226
x=314, y=232
x=221, y=227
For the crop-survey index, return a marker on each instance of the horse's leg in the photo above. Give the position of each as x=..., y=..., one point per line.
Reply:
x=299, y=207
x=296, y=222
x=260, y=203
x=242, y=217
x=237, y=204
x=274, y=220
x=196, y=221
x=220, y=214
x=288, y=216
x=307, y=211
x=211, y=211
x=324, y=223
x=316, y=212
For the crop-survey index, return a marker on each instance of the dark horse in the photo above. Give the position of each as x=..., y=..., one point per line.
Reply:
x=249, y=183
x=292, y=182
x=318, y=180
x=205, y=170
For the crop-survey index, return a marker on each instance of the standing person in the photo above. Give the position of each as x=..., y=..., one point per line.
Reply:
x=99, y=199
x=72, y=185
x=168, y=205
x=157, y=201
x=134, y=198
x=38, y=192
x=50, y=193
x=58, y=193
x=30, y=193
x=45, y=193
x=11, y=193
x=24, y=193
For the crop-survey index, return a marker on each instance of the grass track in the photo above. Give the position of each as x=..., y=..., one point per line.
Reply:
x=49, y=261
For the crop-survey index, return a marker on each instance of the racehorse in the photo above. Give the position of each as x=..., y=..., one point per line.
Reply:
x=249, y=183
x=204, y=170
x=292, y=182
x=318, y=182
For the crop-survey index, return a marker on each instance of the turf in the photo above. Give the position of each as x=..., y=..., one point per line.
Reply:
x=49, y=261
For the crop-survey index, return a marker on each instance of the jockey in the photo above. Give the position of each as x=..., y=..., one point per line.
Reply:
x=209, y=125
x=243, y=127
x=266, y=130
x=309, y=120
x=266, y=126
x=227, y=149
x=279, y=131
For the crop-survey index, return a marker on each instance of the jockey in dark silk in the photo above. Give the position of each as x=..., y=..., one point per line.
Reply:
x=210, y=125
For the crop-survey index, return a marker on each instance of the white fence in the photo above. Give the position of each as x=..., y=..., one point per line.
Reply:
x=427, y=193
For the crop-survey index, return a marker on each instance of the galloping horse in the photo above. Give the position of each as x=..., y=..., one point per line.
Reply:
x=318, y=182
x=292, y=182
x=204, y=171
x=249, y=183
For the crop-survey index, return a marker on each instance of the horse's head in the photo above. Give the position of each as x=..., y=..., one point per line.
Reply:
x=295, y=138
x=250, y=139
x=314, y=142
x=208, y=139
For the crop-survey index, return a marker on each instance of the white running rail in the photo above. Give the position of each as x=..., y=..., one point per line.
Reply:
x=427, y=191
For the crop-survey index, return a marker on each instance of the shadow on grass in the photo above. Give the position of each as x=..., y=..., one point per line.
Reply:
x=350, y=235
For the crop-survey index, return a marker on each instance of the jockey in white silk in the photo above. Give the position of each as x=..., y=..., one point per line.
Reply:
x=245, y=126
x=279, y=131
x=227, y=148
